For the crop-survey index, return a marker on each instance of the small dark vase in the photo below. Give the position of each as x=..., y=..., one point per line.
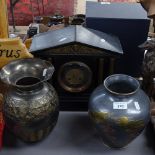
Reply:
x=119, y=109
x=31, y=105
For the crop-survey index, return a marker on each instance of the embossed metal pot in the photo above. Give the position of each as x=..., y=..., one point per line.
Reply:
x=31, y=104
x=119, y=109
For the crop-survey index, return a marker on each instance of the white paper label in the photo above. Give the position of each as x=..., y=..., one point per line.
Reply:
x=120, y=105
x=105, y=3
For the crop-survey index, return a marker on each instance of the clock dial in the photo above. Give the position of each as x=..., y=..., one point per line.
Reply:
x=75, y=76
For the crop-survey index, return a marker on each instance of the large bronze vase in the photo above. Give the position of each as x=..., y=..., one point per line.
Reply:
x=31, y=104
x=119, y=109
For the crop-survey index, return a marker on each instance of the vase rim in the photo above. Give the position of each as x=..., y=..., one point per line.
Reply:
x=124, y=76
x=34, y=68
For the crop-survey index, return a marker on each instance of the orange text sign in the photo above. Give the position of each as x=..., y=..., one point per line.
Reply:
x=12, y=49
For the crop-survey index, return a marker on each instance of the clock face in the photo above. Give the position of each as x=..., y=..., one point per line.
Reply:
x=75, y=76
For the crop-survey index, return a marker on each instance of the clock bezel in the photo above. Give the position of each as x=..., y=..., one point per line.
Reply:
x=72, y=89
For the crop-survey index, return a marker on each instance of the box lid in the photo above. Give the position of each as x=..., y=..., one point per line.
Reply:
x=118, y=10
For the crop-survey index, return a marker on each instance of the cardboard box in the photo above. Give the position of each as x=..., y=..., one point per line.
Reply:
x=129, y=22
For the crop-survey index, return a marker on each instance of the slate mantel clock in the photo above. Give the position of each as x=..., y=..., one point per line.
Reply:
x=82, y=58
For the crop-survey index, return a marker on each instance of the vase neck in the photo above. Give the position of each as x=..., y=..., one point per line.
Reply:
x=122, y=85
x=28, y=84
x=26, y=89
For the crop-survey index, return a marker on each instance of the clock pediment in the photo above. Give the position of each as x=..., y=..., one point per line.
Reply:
x=76, y=40
x=75, y=49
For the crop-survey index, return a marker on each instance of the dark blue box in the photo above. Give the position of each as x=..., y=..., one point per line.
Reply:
x=129, y=22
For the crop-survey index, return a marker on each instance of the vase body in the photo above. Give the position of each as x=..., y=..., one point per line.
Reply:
x=31, y=104
x=119, y=109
